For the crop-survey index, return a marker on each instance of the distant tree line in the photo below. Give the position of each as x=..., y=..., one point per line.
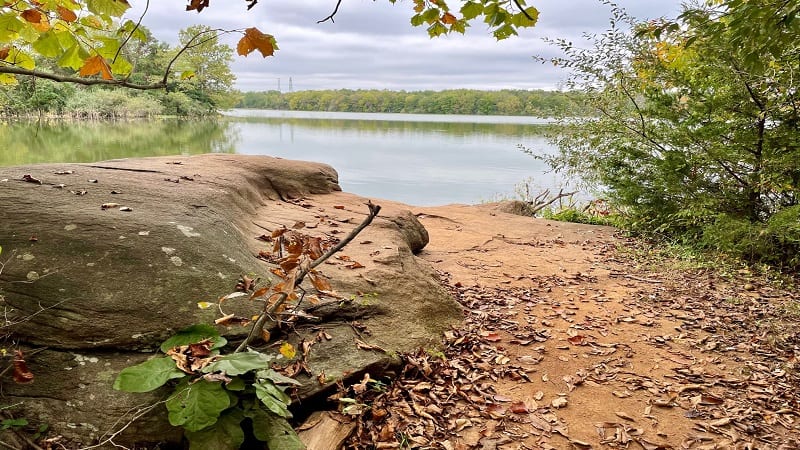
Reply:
x=538, y=103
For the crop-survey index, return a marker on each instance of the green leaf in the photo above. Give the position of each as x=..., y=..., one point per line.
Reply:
x=197, y=405
x=504, y=32
x=10, y=25
x=72, y=58
x=225, y=434
x=194, y=334
x=8, y=79
x=437, y=29
x=48, y=45
x=147, y=376
x=110, y=47
x=274, y=430
x=521, y=20
x=113, y=8
x=431, y=15
x=273, y=398
x=11, y=423
x=236, y=384
x=276, y=377
x=471, y=10
x=417, y=20
x=21, y=59
x=239, y=363
x=121, y=66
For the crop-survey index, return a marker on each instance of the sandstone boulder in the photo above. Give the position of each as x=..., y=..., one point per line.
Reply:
x=104, y=261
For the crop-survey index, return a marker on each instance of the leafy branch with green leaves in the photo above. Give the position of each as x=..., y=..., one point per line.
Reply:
x=84, y=39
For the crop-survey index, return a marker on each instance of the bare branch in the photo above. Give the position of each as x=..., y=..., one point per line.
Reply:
x=330, y=17
x=541, y=204
x=136, y=27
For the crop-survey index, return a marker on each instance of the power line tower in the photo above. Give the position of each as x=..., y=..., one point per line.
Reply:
x=290, y=84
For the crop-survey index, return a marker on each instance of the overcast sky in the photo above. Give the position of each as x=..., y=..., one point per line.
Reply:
x=371, y=45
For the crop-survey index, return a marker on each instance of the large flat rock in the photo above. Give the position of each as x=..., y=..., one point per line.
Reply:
x=100, y=286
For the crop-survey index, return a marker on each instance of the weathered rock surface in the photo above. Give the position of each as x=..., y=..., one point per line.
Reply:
x=102, y=287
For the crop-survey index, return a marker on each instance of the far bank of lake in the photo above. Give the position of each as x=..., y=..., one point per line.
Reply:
x=416, y=159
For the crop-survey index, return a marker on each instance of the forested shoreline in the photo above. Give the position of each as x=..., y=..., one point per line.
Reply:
x=507, y=102
x=48, y=98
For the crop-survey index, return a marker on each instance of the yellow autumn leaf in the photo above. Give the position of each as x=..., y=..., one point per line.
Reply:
x=288, y=351
x=204, y=305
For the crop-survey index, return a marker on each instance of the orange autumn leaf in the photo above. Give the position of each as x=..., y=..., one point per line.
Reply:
x=4, y=52
x=449, y=19
x=36, y=19
x=96, y=65
x=320, y=282
x=32, y=16
x=254, y=39
x=66, y=15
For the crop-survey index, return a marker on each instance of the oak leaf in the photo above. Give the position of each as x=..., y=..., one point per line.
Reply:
x=96, y=65
x=254, y=39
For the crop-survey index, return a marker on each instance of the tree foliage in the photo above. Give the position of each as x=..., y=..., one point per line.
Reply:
x=87, y=40
x=454, y=101
x=696, y=134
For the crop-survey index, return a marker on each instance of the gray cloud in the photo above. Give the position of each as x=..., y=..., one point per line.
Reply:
x=372, y=45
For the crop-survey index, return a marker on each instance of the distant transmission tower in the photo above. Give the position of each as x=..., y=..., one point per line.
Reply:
x=290, y=84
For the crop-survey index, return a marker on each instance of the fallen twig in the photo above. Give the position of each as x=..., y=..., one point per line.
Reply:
x=270, y=310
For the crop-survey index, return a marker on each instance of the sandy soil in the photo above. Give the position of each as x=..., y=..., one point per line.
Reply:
x=589, y=350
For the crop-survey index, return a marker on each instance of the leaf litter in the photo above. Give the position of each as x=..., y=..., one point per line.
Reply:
x=685, y=366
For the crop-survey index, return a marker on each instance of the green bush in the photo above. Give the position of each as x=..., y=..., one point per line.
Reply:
x=775, y=242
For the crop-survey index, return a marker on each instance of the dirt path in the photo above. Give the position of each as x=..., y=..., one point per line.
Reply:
x=568, y=344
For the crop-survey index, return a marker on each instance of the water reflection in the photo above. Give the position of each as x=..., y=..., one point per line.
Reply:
x=421, y=163
x=29, y=142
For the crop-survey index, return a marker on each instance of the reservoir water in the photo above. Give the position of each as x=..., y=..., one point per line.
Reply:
x=416, y=159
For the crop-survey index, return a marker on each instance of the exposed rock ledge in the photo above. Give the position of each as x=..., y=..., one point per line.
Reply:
x=99, y=289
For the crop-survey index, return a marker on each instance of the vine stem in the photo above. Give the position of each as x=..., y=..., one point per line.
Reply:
x=269, y=310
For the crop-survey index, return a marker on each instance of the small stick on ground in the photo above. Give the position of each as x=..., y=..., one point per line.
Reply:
x=269, y=311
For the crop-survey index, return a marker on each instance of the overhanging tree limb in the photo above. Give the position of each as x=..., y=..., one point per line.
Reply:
x=80, y=80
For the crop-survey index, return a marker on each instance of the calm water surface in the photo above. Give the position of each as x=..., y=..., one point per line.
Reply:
x=416, y=159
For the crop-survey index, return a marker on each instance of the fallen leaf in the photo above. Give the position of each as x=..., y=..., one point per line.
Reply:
x=519, y=408
x=21, y=374
x=28, y=178
x=287, y=350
